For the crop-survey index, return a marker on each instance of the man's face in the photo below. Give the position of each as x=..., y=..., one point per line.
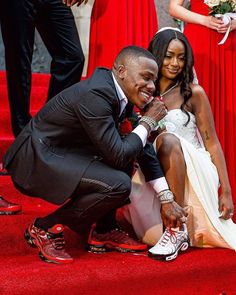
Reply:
x=137, y=79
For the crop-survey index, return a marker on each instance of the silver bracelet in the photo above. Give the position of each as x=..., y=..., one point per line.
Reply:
x=166, y=196
x=149, y=121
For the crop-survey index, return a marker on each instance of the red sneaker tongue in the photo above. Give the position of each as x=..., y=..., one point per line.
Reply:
x=56, y=229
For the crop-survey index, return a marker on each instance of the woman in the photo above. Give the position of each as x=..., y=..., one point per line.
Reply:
x=215, y=67
x=116, y=24
x=191, y=157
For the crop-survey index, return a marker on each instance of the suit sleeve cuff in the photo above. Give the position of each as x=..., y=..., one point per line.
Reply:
x=159, y=184
x=142, y=133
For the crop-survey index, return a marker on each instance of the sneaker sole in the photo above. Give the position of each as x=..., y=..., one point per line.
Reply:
x=96, y=249
x=45, y=259
x=183, y=247
x=108, y=247
x=9, y=212
x=29, y=239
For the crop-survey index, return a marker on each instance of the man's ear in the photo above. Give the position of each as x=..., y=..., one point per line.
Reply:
x=121, y=71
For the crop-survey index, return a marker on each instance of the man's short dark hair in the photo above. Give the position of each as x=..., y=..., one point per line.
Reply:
x=134, y=52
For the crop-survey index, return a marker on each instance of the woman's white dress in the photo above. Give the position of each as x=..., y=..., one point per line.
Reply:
x=205, y=227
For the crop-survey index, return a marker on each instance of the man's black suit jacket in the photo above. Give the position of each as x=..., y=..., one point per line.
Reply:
x=76, y=127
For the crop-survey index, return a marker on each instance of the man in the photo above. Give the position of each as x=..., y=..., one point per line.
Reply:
x=56, y=25
x=71, y=153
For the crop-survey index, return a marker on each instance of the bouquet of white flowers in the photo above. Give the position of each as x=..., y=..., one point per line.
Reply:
x=221, y=6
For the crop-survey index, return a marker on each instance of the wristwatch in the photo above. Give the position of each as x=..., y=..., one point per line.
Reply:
x=166, y=196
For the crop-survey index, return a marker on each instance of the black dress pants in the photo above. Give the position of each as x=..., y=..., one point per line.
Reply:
x=56, y=25
x=100, y=192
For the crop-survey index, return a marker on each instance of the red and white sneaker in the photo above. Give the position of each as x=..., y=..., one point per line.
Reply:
x=171, y=242
x=7, y=208
x=115, y=239
x=51, y=243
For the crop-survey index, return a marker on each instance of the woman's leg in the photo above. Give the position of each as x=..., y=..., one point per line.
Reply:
x=172, y=160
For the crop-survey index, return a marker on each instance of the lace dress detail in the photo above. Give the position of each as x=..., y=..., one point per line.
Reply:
x=175, y=122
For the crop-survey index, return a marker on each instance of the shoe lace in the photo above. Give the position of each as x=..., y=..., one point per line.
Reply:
x=168, y=235
x=58, y=241
x=120, y=235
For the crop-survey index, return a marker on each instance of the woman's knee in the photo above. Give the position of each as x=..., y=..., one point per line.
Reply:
x=168, y=144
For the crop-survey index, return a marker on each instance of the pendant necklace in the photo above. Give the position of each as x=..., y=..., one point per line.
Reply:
x=161, y=123
x=168, y=90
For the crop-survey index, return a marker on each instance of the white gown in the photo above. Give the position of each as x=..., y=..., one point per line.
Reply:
x=205, y=227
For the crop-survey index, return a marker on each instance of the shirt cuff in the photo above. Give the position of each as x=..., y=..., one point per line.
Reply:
x=142, y=132
x=159, y=184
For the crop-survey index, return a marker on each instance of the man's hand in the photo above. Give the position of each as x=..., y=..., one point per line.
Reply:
x=156, y=110
x=173, y=215
x=70, y=3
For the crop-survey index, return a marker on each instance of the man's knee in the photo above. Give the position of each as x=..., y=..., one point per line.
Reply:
x=122, y=186
x=113, y=185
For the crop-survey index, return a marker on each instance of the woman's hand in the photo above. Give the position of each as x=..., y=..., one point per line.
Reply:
x=233, y=25
x=223, y=28
x=214, y=23
x=226, y=207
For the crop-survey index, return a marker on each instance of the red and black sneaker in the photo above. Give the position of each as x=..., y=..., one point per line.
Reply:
x=51, y=243
x=7, y=208
x=115, y=239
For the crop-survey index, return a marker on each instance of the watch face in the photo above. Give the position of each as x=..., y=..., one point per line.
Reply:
x=169, y=195
x=166, y=196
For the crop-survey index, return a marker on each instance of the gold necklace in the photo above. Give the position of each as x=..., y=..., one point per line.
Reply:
x=168, y=90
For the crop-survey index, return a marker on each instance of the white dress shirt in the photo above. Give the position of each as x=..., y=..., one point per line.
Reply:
x=158, y=184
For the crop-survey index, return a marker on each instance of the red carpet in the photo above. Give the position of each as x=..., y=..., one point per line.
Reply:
x=198, y=271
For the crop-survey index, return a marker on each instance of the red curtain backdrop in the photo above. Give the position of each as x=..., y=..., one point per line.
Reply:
x=118, y=23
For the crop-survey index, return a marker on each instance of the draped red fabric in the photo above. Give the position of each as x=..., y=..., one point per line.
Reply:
x=216, y=70
x=116, y=24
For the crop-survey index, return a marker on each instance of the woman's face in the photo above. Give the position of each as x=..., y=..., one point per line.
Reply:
x=174, y=60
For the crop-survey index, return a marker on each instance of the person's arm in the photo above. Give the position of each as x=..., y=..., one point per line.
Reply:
x=70, y=3
x=205, y=123
x=96, y=114
x=177, y=10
